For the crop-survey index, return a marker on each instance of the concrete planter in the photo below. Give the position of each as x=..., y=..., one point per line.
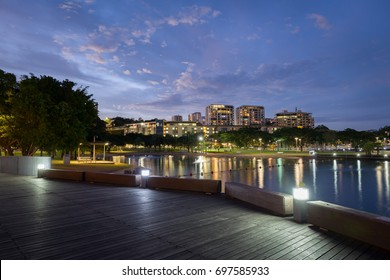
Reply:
x=23, y=165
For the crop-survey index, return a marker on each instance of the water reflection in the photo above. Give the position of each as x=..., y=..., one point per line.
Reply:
x=359, y=184
x=260, y=168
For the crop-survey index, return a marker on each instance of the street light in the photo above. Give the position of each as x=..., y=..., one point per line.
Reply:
x=104, y=150
x=260, y=142
x=296, y=143
x=201, y=140
x=94, y=149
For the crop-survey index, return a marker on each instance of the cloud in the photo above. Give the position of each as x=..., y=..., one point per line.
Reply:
x=294, y=29
x=144, y=71
x=96, y=58
x=193, y=15
x=95, y=52
x=144, y=36
x=320, y=21
x=97, y=48
x=154, y=83
x=43, y=63
x=129, y=42
x=185, y=80
x=254, y=37
x=70, y=6
x=127, y=72
x=164, y=44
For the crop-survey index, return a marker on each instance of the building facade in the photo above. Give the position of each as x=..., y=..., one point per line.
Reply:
x=248, y=115
x=297, y=119
x=145, y=128
x=179, y=129
x=177, y=118
x=195, y=117
x=218, y=114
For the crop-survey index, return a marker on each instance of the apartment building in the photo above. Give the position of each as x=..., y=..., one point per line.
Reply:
x=249, y=115
x=219, y=114
x=297, y=119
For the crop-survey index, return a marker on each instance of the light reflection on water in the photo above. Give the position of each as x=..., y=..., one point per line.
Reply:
x=358, y=184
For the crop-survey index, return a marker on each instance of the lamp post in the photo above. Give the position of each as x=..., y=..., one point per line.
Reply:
x=201, y=143
x=94, y=150
x=296, y=143
x=260, y=139
x=104, y=151
x=78, y=151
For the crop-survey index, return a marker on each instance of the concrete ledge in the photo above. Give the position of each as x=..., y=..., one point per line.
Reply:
x=116, y=179
x=366, y=227
x=184, y=184
x=72, y=175
x=279, y=203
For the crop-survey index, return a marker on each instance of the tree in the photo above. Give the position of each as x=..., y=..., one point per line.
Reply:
x=49, y=114
x=368, y=147
x=8, y=86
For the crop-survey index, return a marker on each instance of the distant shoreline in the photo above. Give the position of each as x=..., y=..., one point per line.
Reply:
x=268, y=154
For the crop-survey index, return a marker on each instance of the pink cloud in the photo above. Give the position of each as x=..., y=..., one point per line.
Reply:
x=320, y=21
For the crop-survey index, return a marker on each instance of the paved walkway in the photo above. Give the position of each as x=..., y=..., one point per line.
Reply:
x=43, y=219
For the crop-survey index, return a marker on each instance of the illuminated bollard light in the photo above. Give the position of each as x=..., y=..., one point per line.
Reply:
x=301, y=196
x=145, y=173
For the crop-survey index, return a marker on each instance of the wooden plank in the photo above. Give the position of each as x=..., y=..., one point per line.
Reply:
x=45, y=219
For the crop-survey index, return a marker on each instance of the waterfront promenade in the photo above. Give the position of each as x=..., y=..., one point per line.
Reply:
x=45, y=219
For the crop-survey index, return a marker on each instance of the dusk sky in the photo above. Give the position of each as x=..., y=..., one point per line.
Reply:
x=156, y=59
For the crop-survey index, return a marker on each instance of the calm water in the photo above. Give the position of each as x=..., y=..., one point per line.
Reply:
x=359, y=184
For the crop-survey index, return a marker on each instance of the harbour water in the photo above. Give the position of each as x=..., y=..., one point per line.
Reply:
x=359, y=184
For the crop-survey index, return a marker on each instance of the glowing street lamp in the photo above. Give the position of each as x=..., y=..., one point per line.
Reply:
x=104, y=150
x=201, y=144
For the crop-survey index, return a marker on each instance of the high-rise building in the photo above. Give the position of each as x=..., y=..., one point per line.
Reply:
x=218, y=114
x=177, y=118
x=248, y=115
x=195, y=117
x=294, y=119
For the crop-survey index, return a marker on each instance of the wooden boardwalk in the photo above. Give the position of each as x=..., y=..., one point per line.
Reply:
x=43, y=219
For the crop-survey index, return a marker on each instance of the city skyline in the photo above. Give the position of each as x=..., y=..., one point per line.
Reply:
x=157, y=59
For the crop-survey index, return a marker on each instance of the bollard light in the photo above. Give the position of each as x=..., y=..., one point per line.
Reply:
x=145, y=172
x=301, y=196
x=301, y=193
x=40, y=166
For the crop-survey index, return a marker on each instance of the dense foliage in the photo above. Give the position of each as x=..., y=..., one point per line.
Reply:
x=42, y=113
x=321, y=138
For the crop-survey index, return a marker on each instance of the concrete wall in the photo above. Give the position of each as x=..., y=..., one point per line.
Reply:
x=364, y=226
x=23, y=165
x=184, y=184
x=279, y=203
